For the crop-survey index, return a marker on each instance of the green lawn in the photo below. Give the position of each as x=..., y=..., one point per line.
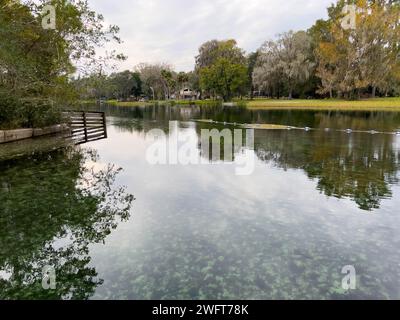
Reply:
x=378, y=104
x=129, y=103
x=384, y=104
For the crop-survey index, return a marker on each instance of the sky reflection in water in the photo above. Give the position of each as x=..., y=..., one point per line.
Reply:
x=315, y=203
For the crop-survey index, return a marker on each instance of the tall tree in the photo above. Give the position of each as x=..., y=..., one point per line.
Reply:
x=251, y=64
x=222, y=69
x=211, y=51
x=352, y=60
x=167, y=77
x=36, y=63
x=224, y=78
x=182, y=79
x=155, y=78
x=288, y=59
x=125, y=84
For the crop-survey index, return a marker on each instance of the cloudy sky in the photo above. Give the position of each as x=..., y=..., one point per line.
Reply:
x=172, y=30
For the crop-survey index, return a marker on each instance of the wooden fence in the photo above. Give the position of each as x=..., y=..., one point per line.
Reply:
x=87, y=126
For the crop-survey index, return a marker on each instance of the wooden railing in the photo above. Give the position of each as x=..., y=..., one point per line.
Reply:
x=87, y=126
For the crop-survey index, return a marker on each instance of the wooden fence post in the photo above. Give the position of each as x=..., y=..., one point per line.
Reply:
x=85, y=125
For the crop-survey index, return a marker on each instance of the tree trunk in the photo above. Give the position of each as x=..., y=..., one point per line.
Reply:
x=373, y=92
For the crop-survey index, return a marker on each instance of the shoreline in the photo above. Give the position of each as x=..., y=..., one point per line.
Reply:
x=368, y=105
x=9, y=136
x=377, y=104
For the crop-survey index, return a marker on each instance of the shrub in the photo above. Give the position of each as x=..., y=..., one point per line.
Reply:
x=24, y=113
x=39, y=113
x=9, y=113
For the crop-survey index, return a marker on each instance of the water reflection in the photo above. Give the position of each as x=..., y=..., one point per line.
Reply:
x=356, y=120
x=202, y=232
x=52, y=206
x=359, y=166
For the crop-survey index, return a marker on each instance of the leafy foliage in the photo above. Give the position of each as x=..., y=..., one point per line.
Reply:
x=56, y=196
x=222, y=69
x=224, y=78
x=286, y=61
x=367, y=57
x=36, y=63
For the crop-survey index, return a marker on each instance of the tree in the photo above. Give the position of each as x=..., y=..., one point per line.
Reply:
x=289, y=59
x=221, y=66
x=251, y=62
x=94, y=86
x=36, y=63
x=157, y=77
x=211, y=51
x=365, y=57
x=182, y=79
x=194, y=80
x=266, y=77
x=224, y=78
x=379, y=33
x=169, y=81
x=136, y=84
x=125, y=84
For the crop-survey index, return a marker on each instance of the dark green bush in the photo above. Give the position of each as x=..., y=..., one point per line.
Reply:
x=9, y=113
x=39, y=113
x=27, y=113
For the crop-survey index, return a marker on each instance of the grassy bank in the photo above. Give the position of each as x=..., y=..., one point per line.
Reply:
x=378, y=104
x=129, y=103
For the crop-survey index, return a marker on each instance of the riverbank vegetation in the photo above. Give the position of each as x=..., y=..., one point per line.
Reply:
x=46, y=70
x=36, y=63
x=343, y=57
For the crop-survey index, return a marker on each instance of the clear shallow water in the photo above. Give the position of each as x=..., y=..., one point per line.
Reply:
x=316, y=202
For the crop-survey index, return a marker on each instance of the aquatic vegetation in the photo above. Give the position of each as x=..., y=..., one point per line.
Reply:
x=52, y=206
x=318, y=200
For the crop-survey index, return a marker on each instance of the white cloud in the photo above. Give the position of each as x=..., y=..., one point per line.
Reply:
x=172, y=30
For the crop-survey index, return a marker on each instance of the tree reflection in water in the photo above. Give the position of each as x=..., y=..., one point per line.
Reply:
x=359, y=166
x=52, y=207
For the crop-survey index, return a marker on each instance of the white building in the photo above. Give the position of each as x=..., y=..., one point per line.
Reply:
x=187, y=93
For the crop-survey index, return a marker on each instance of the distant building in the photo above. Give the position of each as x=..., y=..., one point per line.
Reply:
x=188, y=94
